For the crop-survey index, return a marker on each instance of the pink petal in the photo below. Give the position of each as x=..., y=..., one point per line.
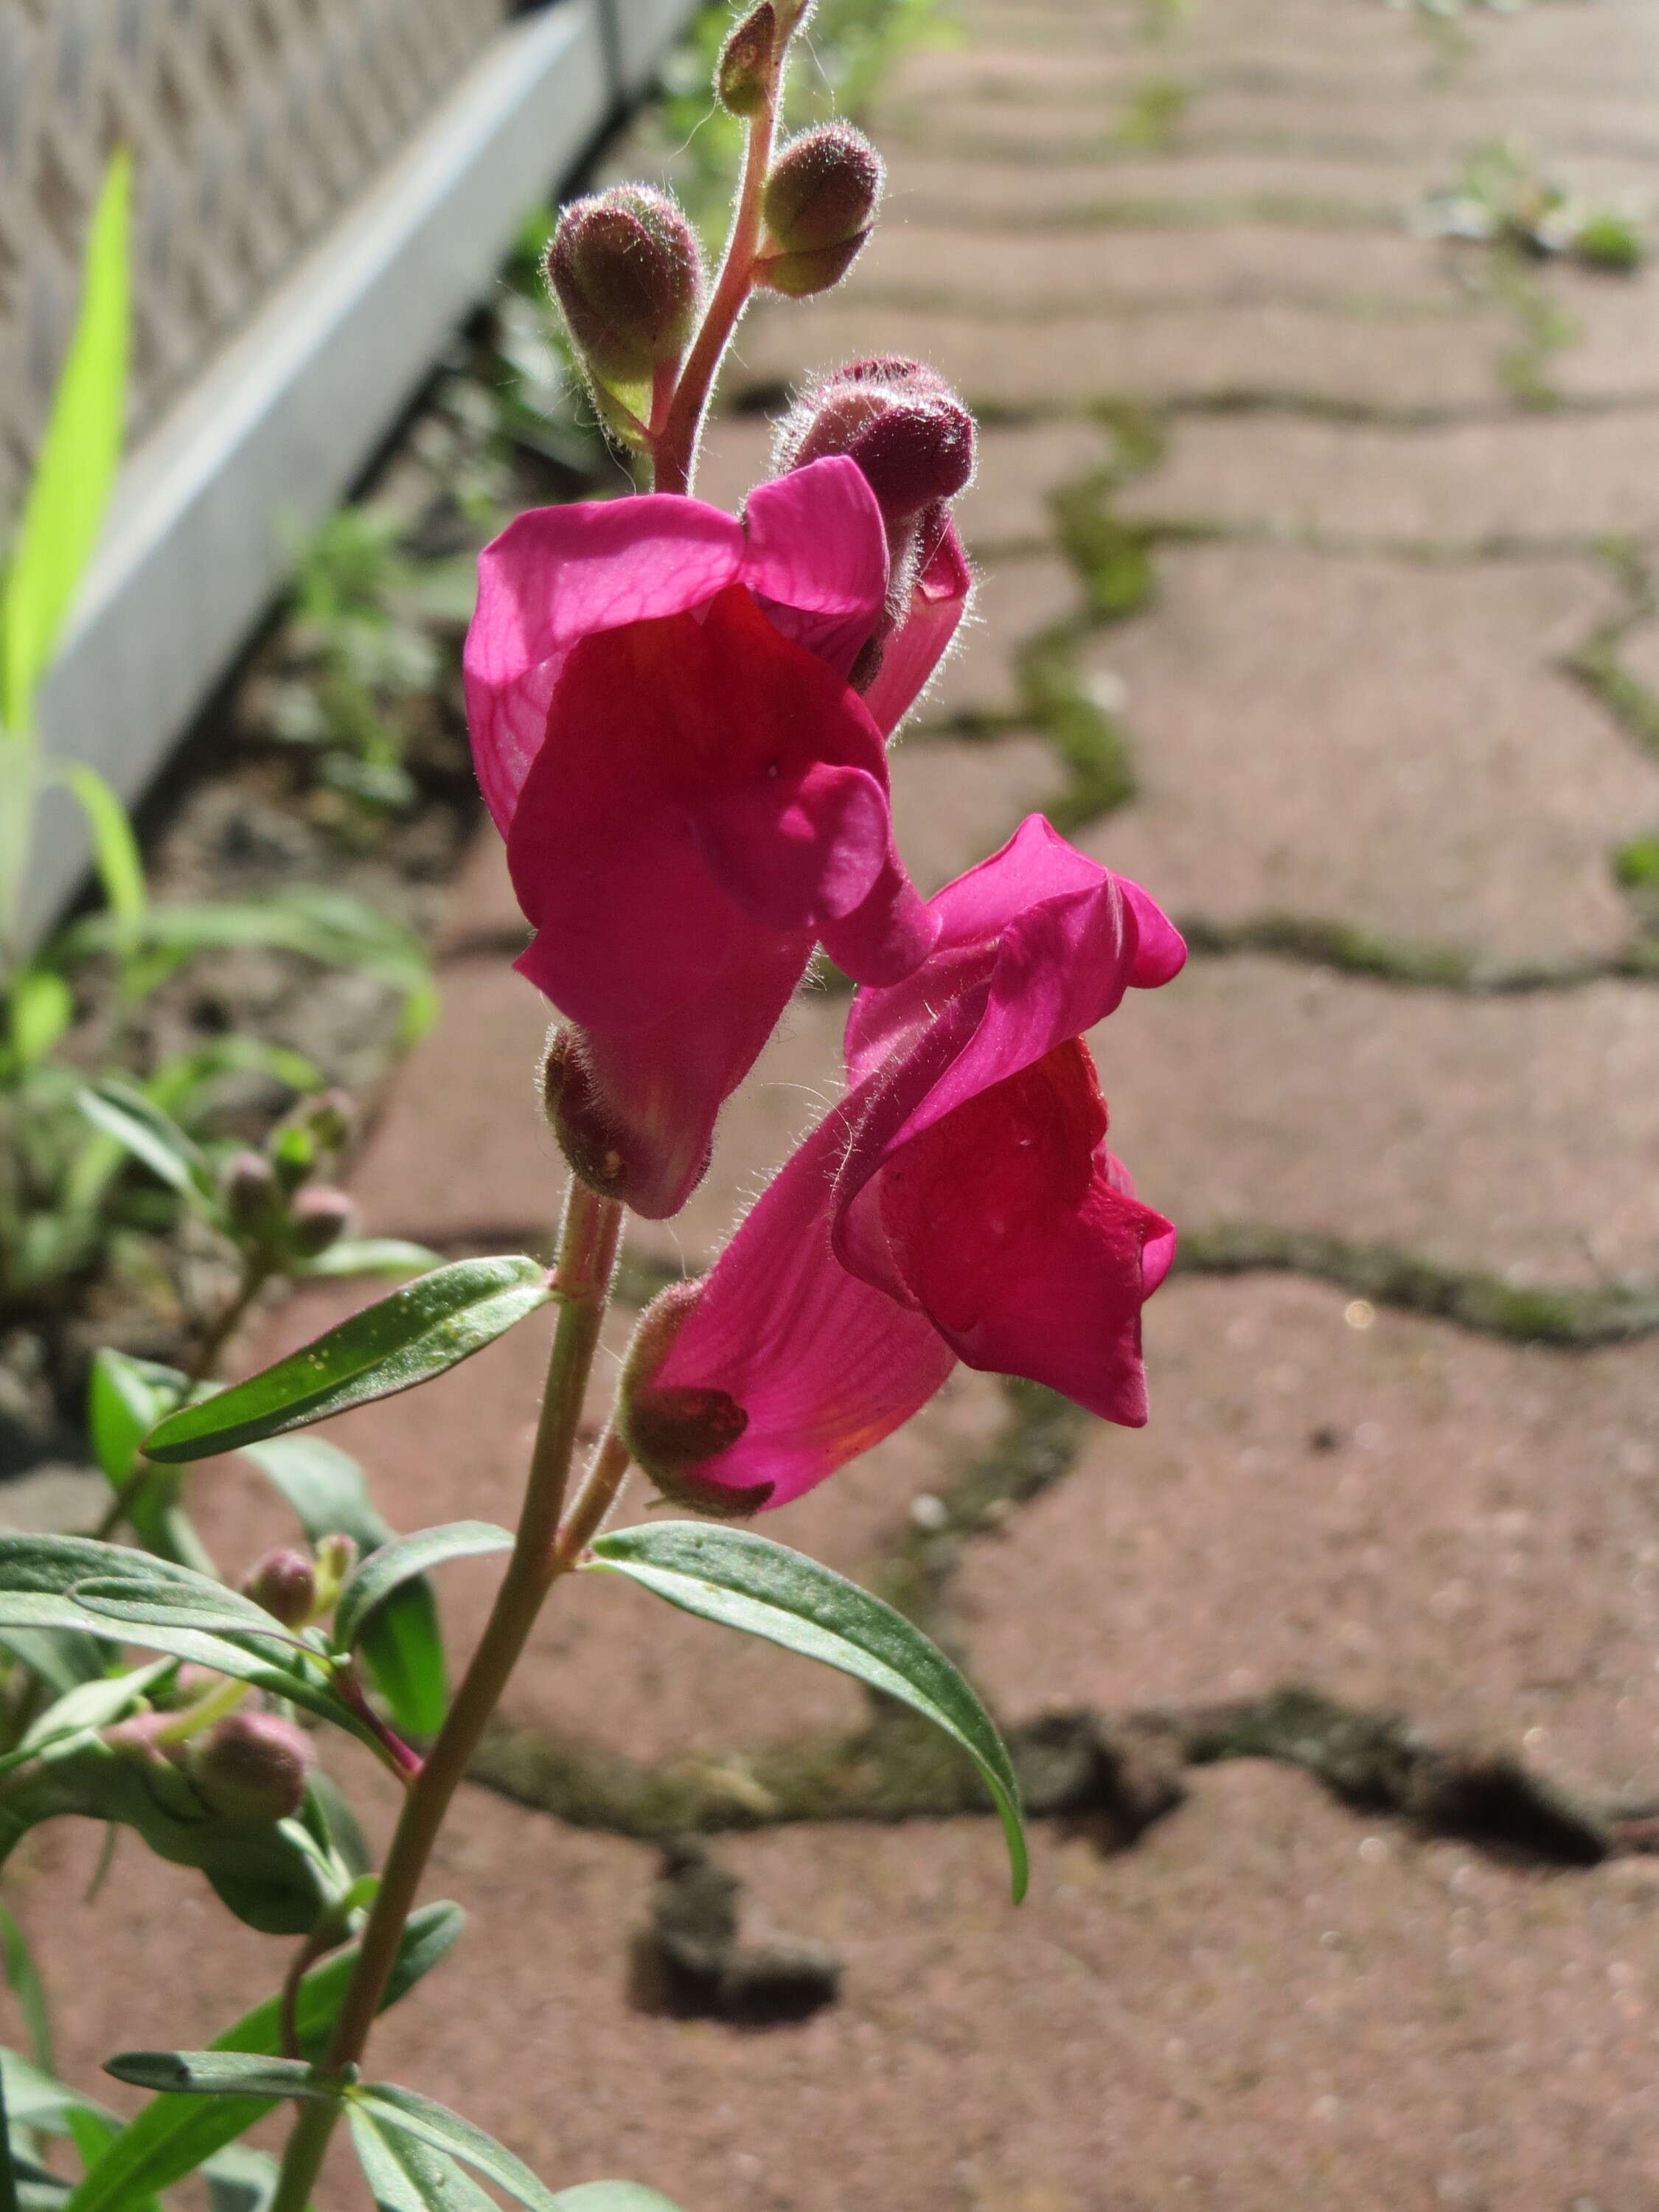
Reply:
x=798, y=853
x=822, y=1366
x=1011, y=1237
x=937, y=600
x=555, y=575
x=815, y=557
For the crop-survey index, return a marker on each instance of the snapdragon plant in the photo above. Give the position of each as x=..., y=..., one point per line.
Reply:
x=679, y=721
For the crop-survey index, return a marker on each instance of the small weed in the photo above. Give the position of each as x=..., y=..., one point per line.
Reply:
x=1152, y=114
x=1505, y=199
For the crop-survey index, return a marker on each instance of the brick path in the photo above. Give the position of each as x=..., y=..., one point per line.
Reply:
x=1278, y=559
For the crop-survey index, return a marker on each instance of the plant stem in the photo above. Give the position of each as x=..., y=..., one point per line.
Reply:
x=592, y=1501
x=587, y=1255
x=676, y=450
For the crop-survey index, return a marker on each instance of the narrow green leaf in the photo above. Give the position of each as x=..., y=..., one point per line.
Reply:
x=221, y=2073
x=131, y=1600
x=239, y=2180
x=372, y=1256
x=420, y=1331
x=23, y=1980
x=404, y=2175
x=148, y=1135
x=174, y=2135
x=125, y=1398
x=37, y=1575
x=403, y=1645
x=35, y=2100
x=87, y=1708
x=114, y=848
x=403, y=2111
x=399, y=1562
x=748, y=1582
x=75, y=466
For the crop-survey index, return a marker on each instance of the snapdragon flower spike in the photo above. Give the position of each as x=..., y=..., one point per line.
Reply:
x=690, y=792
x=913, y=440
x=960, y=1203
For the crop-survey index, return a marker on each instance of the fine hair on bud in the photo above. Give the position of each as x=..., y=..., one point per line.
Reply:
x=626, y=270
x=671, y=1431
x=748, y=63
x=911, y=436
x=819, y=205
x=252, y=1768
x=285, y=1582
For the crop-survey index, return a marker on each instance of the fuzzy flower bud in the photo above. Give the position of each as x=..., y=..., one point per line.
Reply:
x=744, y=73
x=285, y=1582
x=253, y=1203
x=909, y=433
x=252, y=1768
x=819, y=205
x=319, y=1219
x=337, y=1562
x=627, y=270
x=671, y=1431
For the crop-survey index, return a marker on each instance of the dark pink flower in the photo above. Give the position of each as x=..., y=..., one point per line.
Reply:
x=690, y=792
x=959, y=1204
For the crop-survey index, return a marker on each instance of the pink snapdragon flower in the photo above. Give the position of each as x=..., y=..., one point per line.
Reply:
x=690, y=791
x=960, y=1203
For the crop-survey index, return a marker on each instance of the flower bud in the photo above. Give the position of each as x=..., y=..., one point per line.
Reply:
x=253, y=1202
x=593, y=1147
x=671, y=1431
x=909, y=433
x=627, y=270
x=819, y=201
x=319, y=1219
x=285, y=1582
x=744, y=74
x=252, y=1768
x=337, y=1562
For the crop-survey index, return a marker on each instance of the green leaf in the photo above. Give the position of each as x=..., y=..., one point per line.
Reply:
x=404, y=2175
x=132, y=1601
x=223, y=2074
x=748, y=1582
x=77, y=463
x=239, y=2180
x=136, y=1122
x=28, y=1991
x=419, y=1332
x=612, y=2196
x=174, y=2135
x=84, y=1710
x=42, y=1008
x=114, y=847
x=35, y=2099
x=125, y=1398
x=371, y=1255
x=37, y=1575
x=398, y=1562
x=403, y=2111
x=402, y=1642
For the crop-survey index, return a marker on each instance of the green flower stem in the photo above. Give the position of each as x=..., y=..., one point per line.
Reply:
x=675, y=451
x=586, y=1261
x=592, y=1502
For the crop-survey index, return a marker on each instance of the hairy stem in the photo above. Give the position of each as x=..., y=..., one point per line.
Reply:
x=599, y=1489
x=587, y=1255
x=675, y=451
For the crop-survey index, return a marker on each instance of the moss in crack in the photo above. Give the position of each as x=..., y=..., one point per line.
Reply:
x=1349, y=950
x=1569, y=1317
x=1597, y=663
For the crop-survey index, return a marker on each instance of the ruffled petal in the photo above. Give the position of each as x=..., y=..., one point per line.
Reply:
x=939, y=599
x=556, y=575
x=816, y=558
x=799, y=852
x=818, y=1365
x=1009, y=1235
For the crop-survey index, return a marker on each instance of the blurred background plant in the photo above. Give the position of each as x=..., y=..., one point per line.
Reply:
x=93, y=1124
x=1505, y=199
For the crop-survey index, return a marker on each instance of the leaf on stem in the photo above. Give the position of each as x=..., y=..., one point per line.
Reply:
x=612, y=2196
x=401, y=1561
x=407, y=2176
x=748, y=1582
x=417, y=1333
x=223, y=2074
x=139, y=1126
x=125, y=1398
x=174, y=2135
x=403, y=2112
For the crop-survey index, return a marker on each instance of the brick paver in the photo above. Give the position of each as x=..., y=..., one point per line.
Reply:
x=1341, y=683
